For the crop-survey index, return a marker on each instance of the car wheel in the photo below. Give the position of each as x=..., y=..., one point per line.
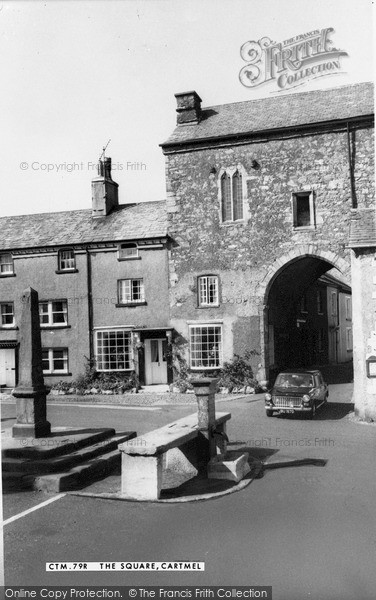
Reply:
x=269, y=413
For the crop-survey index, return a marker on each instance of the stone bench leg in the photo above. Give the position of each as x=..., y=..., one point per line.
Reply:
x=141, y=476
x=220, y=441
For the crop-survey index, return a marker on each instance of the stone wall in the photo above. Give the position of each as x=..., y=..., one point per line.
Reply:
x=38, y=271
x=245, y=254
x=364, y=331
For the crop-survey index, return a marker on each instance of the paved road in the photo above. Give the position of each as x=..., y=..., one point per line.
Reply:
x=307, y=531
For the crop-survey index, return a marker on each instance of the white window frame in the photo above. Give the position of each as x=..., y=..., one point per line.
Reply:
x=312, y=219
x=6, y=314
x=348, y=308
x=51, y=312
x=128, y=291
x=204, y=290
x=51, y=358
x=6, y=260
x=71, y=261
x=197, y=355
x=131, y=251
x=104, y=358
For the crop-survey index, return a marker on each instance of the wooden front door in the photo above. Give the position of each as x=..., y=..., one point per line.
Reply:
x=7, y=367
x=155, y=361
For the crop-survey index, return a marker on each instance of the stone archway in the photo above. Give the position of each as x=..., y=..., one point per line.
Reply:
x=284, y=282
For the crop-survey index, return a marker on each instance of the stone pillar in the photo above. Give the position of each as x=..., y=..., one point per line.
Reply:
x=206, y=446
x=30, y=393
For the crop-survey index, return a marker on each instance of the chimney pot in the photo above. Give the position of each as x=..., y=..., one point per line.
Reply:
x=188, y=107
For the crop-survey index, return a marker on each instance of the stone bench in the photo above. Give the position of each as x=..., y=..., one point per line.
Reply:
x=181, y=444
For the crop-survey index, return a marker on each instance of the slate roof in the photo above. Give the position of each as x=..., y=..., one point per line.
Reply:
x=128, y=221
x=363, y=229
x=241, y=118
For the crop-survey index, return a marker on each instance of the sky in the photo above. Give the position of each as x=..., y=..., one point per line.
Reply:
x=78, y=74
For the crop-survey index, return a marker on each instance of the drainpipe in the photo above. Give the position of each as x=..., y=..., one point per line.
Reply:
x=353, y=196
x=89, y=304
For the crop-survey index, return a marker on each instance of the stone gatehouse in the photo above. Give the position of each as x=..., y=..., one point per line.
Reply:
x=260, y=196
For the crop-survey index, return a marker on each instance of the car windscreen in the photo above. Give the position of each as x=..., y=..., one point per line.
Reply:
x=294, y=380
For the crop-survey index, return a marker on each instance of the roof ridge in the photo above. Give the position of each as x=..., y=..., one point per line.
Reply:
x=338, y=87
x=78, y=210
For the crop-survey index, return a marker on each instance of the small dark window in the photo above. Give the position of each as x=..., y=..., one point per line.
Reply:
x=303, y=304
x=320, y=302
x=128, y=251
x=303, y=209
x=303, y=217
x=320, y=347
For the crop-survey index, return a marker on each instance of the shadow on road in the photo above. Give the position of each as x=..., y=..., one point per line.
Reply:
x=333, y=411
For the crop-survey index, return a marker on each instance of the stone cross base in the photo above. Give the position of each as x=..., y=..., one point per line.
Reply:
x=31, y=415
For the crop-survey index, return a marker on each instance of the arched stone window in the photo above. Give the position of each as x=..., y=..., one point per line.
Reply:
x=232, y=196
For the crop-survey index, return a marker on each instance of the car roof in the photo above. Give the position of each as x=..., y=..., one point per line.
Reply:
x=300, y=372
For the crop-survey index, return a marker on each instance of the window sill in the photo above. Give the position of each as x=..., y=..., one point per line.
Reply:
x=65, y=271
x=43, y=327
x=304, y=227
x=206, y=368
x=128, y=304
x=115, y=370
x=206, y=306
x=7, y=274
x=229, y=223
x=58, y=373
x=10, y=328
x=128, y=258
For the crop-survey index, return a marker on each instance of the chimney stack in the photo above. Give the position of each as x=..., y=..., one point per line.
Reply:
x=189, y=108
x=104, y=191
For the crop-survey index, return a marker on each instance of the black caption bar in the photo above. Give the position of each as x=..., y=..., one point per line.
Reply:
x=136, y=593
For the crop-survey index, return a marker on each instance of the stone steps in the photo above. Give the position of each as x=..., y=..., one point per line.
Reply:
x=61, y=441
x=65, y=461
x=92, y=460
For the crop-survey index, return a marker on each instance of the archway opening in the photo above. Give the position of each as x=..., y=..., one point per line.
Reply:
x=308, y=320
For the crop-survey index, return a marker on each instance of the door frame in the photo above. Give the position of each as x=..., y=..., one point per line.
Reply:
x=13, y=348
x=148, y=363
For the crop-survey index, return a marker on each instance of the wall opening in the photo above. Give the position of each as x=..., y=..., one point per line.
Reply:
x=308, y=321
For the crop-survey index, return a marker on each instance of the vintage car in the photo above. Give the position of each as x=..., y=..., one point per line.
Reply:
x=297, y=392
